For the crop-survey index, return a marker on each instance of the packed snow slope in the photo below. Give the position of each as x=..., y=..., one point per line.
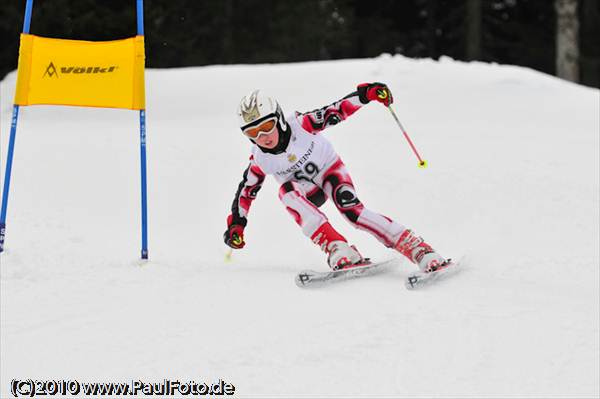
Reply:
x=512, y=185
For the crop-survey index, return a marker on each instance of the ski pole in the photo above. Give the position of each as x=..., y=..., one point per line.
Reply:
x=422, y=162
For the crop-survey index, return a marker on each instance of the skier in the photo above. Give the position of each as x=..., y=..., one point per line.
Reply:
x=293, y=150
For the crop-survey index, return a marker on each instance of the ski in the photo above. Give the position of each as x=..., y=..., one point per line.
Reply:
x=312, y=278
x=420, y=279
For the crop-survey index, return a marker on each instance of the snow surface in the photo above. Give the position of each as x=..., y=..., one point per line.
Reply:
x=512, y=184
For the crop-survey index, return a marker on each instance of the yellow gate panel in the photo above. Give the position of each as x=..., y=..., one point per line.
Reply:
x=82, y=73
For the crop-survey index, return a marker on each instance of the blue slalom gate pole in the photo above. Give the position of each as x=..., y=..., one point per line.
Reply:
x=27, y=19
x=140, y=31
x=11, y=142
x=144, y=184
x=7, y=173
x=140, y=17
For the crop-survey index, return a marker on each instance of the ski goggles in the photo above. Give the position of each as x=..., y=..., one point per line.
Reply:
x=266, y=127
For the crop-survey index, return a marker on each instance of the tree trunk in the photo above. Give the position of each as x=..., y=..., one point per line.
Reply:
x=567, y=43
x=473, y=38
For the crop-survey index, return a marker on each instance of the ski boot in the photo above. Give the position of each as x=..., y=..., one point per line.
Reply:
x=419, y=252
x=340, y=255
x=343, y=256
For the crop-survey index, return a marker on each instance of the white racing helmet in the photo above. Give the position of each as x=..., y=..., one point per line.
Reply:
x=256, y=108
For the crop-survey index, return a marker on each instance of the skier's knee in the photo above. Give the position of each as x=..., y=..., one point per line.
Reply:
x=345, y=197
x=347, y=202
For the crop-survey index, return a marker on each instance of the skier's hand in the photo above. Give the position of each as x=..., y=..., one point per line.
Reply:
x=234, y=235
x=375, y=91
